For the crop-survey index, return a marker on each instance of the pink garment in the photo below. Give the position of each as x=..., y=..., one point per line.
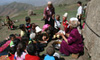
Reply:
x=83, y=25
x=22, y=57
x=3, y=47
x=45, y=27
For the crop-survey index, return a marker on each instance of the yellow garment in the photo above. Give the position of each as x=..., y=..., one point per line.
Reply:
x=23, y=33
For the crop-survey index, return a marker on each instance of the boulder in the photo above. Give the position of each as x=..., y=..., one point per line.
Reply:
x=92, y=41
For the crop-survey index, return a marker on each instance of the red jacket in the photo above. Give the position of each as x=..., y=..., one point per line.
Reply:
x=11, y=57
x=31, y=57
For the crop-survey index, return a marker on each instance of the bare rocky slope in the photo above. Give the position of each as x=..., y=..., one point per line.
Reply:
x=66, y=1
x=13, y=8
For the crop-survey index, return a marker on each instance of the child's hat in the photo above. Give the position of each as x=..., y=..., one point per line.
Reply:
x=38, y=29
x=32, y=35
x=73, y=19
x=66, y=14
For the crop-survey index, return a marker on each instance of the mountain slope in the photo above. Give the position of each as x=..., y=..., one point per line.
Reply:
x=66, y=1
x=13, y=8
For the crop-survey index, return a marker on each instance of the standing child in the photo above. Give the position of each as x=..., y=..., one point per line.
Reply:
x=28, y=25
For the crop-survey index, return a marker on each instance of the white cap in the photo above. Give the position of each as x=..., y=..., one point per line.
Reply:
x=65, y=15
x=38, y=29
x=32, y=35
x=57, y=55
x=49, y=3
x=73, y=19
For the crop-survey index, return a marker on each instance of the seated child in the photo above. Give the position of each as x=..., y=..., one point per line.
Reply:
x=20, y=53
x=11, y=53
x=50, y=51
x=12, y=37
x=32, y=38
x=16, y=41
x=57, y=22
x=25, y=39
x=9, y=23
x=41, y=40
x=31, y=50
x=65, y=22
x=23, y=30
x=33, y=28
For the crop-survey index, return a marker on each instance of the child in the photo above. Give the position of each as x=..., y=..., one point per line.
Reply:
x=12, y=37
x=9, y=23
x=31, y=49
x=25, y=39
x=11, y=53
x=28, y=25
x=20, y=54
x=32, y=38
x=16, y=41
x=50, y=51
x=23, y=30
x=57, y=22
x=42, y=40
x=33, y=28
x=65, y=22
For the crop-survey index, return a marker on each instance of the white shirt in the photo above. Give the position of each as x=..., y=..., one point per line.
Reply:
x=57, y=24
x=79, y=10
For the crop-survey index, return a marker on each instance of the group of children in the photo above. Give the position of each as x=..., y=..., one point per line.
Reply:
x=31, y=41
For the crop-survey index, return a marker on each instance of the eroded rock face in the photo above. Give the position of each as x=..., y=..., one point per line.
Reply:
x=92, y=42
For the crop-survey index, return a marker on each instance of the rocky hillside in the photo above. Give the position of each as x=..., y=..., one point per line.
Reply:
x=66, y=1
x=92, y=40
x=13, y=8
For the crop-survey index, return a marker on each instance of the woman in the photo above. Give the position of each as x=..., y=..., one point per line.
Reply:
x=72, y=44
x=49, y=13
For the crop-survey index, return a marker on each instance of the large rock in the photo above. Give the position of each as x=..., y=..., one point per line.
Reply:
x=92, y=41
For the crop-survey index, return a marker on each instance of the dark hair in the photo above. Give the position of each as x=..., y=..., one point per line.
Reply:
x=27, y=19
x=21, y=26
x=16, y=41
x=12, y=35
x=79, y=2
x=12, y=50
x=58, y=15
x=50, y=50
x=8, y=17
x=31, y=49
x=20, y=48
x=25, y=39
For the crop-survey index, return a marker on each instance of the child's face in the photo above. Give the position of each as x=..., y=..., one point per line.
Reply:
x=44, y=38
x=12, y=38
x=64, y=18
x=33, y=26
x=29, y=21
x=57, y=18
x=78, y=4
